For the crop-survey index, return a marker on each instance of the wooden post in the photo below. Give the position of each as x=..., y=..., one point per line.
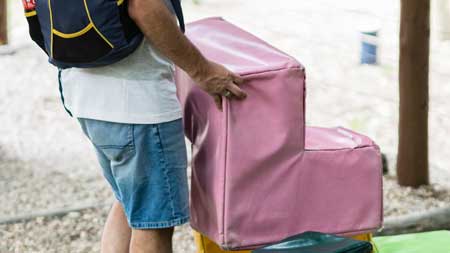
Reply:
x=412, y=158
x=3, y=23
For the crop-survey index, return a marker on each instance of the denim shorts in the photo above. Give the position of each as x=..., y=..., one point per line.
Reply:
x=146, y=168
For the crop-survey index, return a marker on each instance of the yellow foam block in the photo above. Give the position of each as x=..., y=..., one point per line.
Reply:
x=205, y=245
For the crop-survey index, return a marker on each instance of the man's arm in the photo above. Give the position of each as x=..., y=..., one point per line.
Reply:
x=161, y=29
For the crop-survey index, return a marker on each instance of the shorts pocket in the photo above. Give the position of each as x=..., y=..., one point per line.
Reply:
x=115, y=140
x=172, y=138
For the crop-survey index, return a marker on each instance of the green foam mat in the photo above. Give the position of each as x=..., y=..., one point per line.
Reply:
x=429, y=242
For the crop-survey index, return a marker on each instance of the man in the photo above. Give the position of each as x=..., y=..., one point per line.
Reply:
x=130, y=112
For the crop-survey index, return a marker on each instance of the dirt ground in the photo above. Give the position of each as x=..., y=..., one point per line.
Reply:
x=47, y=164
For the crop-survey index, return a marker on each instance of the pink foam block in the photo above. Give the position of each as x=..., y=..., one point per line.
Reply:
x=259, y=175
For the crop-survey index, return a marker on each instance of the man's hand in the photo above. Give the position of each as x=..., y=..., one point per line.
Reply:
x=218, y=81
x=160, y=28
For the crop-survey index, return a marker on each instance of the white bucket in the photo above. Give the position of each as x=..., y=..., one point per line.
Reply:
x=369, y=32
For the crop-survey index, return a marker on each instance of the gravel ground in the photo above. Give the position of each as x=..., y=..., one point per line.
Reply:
x=77, y=232
x=42, y=189
x=406, y=200
x=47, y=164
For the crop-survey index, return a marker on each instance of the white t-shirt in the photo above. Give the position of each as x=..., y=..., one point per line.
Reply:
x=139, y=89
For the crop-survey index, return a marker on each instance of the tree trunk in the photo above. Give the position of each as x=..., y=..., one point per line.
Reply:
x=412, y=159
x=3, y=23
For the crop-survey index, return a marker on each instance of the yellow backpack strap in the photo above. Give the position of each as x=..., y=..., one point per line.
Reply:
x=29, y=7
x=120, y=2
x=30, y=13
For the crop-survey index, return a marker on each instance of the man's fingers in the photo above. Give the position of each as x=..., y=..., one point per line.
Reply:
x=236, y=91
x=218, y=101
x=237, y=79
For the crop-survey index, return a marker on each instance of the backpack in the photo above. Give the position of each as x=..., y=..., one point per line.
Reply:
x=85, y=33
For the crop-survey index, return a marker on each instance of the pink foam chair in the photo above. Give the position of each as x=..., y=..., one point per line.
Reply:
x=258, y=173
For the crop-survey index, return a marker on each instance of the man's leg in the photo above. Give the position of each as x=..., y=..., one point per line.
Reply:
x=151, y=241
x=146, y=168
x=116, y=234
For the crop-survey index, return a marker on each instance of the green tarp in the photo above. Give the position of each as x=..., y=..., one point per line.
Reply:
x=429, y=242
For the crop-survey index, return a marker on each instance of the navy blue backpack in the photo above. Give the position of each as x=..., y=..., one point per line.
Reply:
x=85, y=33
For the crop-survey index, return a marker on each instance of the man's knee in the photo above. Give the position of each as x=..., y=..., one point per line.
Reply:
x=151, y=240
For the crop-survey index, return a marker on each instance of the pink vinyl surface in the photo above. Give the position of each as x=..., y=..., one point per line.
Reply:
x=259, y=175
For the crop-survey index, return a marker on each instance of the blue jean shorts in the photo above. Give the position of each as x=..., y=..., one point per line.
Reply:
x=146, y=168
